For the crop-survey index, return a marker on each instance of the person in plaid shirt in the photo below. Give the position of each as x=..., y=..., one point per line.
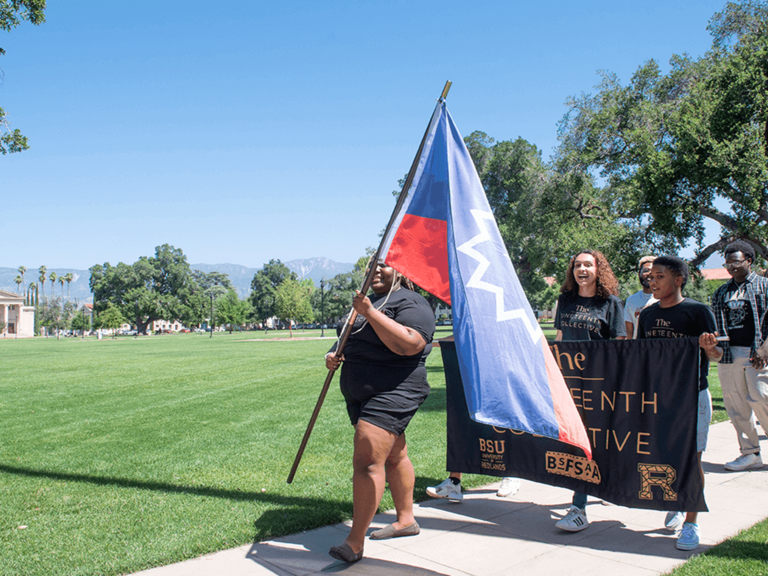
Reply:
x=740, y=311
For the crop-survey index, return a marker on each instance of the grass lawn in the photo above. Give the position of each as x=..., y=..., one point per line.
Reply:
x=119, y=455
x=743, y=555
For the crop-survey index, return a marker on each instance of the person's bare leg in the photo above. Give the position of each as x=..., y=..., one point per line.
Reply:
x=372, y=446
x=401, y=480
x=693, y=516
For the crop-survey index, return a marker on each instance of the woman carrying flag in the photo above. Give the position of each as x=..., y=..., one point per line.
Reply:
x=384, y=381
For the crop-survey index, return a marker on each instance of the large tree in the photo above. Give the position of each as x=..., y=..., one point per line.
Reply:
x=679, y=148
x=208, y=288
x=56, y=314
x=264, y=288
x=155, y=288
x=52, y=277
x=232, y=311
x=68, y=278
x=547, y=212
x=42, y=278
x=337, y=295
x=81, y=321
x=292, y=301
x=12, y=12
x=109, y=318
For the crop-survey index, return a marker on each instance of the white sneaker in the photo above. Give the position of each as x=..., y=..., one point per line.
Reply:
x=574, y=521
x=674, y=520
x=509, y=486
x=446, y=489
x=745, y=462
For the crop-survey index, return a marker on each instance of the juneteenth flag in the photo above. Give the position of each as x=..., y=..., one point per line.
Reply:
x=446, y=240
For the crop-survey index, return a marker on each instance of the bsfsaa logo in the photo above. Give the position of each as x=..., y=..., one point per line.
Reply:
x=572, y=466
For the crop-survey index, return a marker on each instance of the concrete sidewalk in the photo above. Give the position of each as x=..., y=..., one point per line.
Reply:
x=486, y=535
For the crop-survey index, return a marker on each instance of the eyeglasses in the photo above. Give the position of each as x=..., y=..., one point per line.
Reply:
x=734, y=264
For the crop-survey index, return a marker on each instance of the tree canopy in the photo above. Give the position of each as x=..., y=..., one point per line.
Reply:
x=208, y=289
x=676, y=149
x=232, y=311
x=292, y=301
x=55, y=314
x=155, y=288
x=337, y=295
x=264, y=288
x=12, y=12
x=110, y=319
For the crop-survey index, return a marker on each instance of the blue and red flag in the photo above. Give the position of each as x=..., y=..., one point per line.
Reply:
x=446, y=240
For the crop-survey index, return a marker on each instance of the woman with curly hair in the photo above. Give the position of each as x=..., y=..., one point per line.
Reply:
x=588, y=309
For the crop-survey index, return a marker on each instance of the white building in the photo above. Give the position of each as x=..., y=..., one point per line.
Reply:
x=18, y=320
x=167, y=326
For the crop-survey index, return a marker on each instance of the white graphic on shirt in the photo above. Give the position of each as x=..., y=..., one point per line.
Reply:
x=737, y=308
x=736, y=313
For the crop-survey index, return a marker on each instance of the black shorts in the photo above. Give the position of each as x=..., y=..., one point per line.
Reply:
x=390, y=408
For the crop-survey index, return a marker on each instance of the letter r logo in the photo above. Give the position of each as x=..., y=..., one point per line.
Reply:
x=661, y=475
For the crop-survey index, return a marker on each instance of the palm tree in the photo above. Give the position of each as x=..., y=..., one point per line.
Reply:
x=32, y=287
x=68, y=277
x=61, y=281
x=22, y=271
x=52, y=277
x=18, y=281
x=42, y=278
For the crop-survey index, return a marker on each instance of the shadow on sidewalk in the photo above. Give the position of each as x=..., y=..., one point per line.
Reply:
x=283, y=559
x=307, y=553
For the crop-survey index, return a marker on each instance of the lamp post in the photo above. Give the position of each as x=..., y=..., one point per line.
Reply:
x=322, y=309
x=211, y=322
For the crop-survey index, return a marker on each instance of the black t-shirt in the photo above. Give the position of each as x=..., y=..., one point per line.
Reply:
x=739, y=318
x=686, y=319
x=369, y=366
x=592, y=318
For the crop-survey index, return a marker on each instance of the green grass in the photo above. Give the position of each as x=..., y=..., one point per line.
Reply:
x=746, y=554
x=119, y=455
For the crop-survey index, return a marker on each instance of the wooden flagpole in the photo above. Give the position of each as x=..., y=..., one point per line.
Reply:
x=364, y=289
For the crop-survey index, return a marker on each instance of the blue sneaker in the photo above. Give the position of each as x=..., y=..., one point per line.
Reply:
x=689, y=537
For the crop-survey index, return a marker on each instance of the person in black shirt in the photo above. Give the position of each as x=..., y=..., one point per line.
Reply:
x=674, y=316
x=384, y=381
x=587, y=309
x=741, y=311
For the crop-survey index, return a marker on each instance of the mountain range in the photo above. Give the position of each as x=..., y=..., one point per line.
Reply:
x=240, y=276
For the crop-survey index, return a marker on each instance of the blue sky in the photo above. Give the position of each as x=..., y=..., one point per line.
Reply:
x=279, y=130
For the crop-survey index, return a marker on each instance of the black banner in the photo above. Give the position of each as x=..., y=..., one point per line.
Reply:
x=639, y=402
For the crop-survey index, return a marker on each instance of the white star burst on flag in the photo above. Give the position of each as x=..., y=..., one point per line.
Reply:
x=476, y=281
